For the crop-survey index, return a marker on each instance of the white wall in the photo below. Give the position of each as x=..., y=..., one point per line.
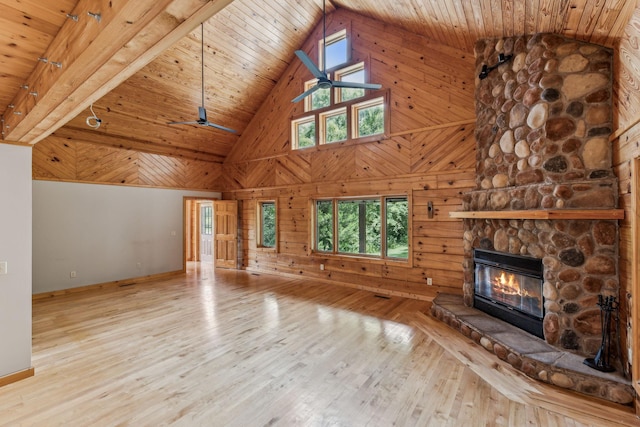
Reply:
x=15, y=249
x=102, y=232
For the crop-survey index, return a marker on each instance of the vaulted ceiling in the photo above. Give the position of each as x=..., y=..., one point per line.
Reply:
x=140, y=64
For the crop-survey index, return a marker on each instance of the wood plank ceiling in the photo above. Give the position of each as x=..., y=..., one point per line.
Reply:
x=248, y=46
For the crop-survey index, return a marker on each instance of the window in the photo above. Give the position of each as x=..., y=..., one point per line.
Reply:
x=304, y=132
x=353, y=74
x=324, y=225
x=206, y=223
x=340, y=115
x=373, y=227
x=337, y=50
x=333, y=126
x=266, y=235
x=319, y=99
x=369, y=118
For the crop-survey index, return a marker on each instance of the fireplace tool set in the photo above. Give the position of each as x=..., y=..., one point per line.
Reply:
x=602, y=360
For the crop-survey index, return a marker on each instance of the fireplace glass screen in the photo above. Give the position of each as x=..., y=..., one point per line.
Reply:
x=510, y=288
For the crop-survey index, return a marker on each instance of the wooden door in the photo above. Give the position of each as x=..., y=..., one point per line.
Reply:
x=226, y=233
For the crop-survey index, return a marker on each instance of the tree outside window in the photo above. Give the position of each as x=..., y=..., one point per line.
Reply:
x=361, y=225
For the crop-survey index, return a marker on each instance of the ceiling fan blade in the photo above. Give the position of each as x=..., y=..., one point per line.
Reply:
x=182, y=123
x=310, y=65
x=305, y=94
x=213, y=125
x=355, y=85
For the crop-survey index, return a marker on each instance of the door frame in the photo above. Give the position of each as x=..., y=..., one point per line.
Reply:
x=187, y=226
x=635, y=278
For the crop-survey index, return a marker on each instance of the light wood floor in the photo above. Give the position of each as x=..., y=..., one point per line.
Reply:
x=236, y=349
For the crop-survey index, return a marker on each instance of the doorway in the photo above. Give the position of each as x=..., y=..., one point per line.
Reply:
x=198, y=230
x=211, y=232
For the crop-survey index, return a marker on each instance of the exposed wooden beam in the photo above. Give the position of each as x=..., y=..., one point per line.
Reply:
x=98, y=55
x=100, y=138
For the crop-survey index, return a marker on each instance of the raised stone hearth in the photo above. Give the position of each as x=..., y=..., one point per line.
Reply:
x=529, y=354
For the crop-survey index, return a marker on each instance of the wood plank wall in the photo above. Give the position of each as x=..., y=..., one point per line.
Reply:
x=626, y=147
x=430, y=156
x=63, y=159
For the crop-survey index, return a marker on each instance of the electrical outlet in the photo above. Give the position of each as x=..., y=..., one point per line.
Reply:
x=139, y=265
x=429, y=281
x=321, y=267
x=3, y=267
x=73, y=274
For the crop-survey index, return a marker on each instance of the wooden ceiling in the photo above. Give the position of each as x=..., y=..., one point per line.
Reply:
x=248, y=46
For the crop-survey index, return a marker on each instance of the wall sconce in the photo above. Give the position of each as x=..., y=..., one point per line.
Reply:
x=502, y=58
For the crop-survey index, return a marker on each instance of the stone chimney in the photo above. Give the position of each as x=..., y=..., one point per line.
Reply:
x=543, y=122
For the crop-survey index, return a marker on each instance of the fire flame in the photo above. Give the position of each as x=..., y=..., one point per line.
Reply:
x=507, y=284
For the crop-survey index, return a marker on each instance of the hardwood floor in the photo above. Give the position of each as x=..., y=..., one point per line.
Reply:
x=235, y=349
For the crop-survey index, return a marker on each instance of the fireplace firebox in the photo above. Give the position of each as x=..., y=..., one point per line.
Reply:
x=509, y=287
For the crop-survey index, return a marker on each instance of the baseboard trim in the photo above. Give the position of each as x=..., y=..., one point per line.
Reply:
x=17, y=376
x=106, y=285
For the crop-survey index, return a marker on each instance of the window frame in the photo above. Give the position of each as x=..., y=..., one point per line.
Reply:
x=345, y=71
x=335, y=37
x=259, y=237
x=308, y=101
x=322, y=119
x=335, y=252
x=364, y=104
x=295, y=123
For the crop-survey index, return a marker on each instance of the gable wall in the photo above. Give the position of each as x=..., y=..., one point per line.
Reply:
x=430, y=156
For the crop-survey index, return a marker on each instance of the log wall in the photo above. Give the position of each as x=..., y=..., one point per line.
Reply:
x=626, y=148
x=429, y=156
x=63, y=159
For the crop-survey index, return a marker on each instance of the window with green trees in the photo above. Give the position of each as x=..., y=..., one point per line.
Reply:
x=376, y=227
x=340, y=115
x=267, y=224
x=334, y=125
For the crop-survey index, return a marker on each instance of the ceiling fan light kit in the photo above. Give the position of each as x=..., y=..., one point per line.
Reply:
x=323, y=79
x=202, y=112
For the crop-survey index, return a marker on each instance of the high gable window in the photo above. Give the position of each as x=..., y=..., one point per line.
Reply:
x=353, y=74
x=337, y=50
x=340, y=115
x=321, y=98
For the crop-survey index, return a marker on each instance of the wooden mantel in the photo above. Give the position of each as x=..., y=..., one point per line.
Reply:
x=543, y=214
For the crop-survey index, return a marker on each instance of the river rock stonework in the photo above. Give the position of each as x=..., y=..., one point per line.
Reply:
x=543, y=122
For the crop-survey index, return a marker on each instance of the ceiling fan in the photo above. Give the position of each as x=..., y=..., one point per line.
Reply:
x=202, y=113
x=323, y=79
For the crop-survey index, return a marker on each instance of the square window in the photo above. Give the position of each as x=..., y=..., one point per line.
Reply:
x=303, y=132
x=369, y=118
x=334, y=126
x=336, y=50
x=321, y=98
x=354, y=74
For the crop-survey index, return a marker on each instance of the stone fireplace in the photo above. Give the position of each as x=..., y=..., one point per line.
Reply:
x=545, y=190
x=543, y=121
